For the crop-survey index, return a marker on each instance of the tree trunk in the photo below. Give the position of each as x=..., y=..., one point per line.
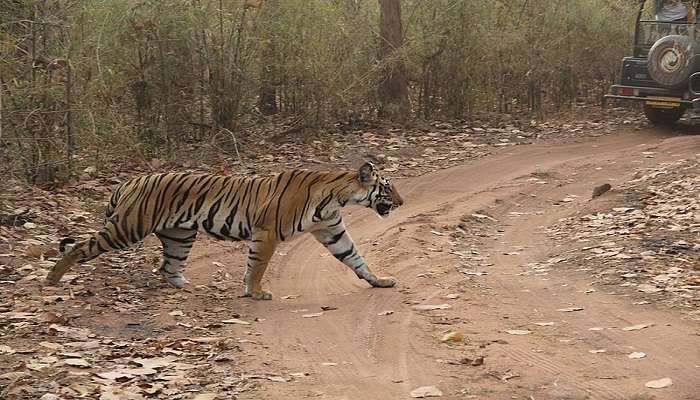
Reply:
x=70, y=139
x=267, y=95
x=2, y=82
x=393, y=87
x=267, y=102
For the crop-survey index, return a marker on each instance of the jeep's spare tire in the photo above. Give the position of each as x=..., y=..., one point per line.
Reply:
x=672, y=60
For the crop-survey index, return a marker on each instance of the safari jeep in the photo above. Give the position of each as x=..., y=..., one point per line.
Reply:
x=663, y=69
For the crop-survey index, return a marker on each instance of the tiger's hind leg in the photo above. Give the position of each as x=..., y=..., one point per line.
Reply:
x=176, y=247
x=109, y=238
x=262, y=247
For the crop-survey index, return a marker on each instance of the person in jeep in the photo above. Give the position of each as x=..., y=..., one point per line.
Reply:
x=670, y=10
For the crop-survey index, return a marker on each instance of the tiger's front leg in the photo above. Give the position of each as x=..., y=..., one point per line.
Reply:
x=262, y=247
x=338, y=242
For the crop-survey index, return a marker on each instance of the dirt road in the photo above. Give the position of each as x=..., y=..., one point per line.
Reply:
x=376, y=346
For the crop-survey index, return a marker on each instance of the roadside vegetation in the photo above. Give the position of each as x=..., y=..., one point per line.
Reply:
x=85, y=82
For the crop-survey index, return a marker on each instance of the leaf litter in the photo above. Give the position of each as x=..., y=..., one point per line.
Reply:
x=646, y=242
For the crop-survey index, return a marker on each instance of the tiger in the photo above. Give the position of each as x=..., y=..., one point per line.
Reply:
x=262, y=211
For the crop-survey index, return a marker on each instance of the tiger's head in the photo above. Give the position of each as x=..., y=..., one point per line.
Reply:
x=381, y=195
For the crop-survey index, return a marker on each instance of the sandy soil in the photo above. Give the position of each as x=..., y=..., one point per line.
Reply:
x=473, y=237
x=355, y=352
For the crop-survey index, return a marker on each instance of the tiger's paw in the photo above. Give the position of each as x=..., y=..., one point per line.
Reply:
x=175, y=280
x=384, y=282
x=261, y=295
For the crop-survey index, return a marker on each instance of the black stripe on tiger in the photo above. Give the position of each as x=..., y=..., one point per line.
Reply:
x=335, y=238
x=342, y=256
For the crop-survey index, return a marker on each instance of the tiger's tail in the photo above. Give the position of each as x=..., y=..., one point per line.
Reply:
x=79, y=252
x=61, y=267
x=66, y=245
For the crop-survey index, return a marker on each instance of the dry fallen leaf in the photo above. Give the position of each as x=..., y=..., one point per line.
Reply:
x=659, y=383
x=120, y=393
x=482, y=216
x=52, y=318
x=426, y=391
x=636, y=327
x=430, y=307
x=136, y=371
x=115, y=376
x=77, y=362
x=454, y=336
x=35, y=250
x=235, y=321
x=89, y=345
x=474, y=273
x=206, y=339
x=82, y=390
x=205, y=396
x=6, y=349
x=570, y=309
x=647, y=288
x=78, y=333
x=154, y=363
x=517, y=332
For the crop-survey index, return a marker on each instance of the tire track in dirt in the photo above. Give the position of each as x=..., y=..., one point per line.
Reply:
x=597, y=308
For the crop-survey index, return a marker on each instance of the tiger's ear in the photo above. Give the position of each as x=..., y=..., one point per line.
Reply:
x=367, y=173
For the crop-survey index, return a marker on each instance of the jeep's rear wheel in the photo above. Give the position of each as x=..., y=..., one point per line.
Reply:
x=663, y=116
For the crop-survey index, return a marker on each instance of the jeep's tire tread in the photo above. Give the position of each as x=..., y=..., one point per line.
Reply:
x=663, y=116
x=671, y=60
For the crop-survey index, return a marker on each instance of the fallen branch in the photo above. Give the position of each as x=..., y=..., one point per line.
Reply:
x=235, y=143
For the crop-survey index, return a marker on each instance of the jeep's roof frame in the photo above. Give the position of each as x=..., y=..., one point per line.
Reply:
x=642, y=3
x=640, y=12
